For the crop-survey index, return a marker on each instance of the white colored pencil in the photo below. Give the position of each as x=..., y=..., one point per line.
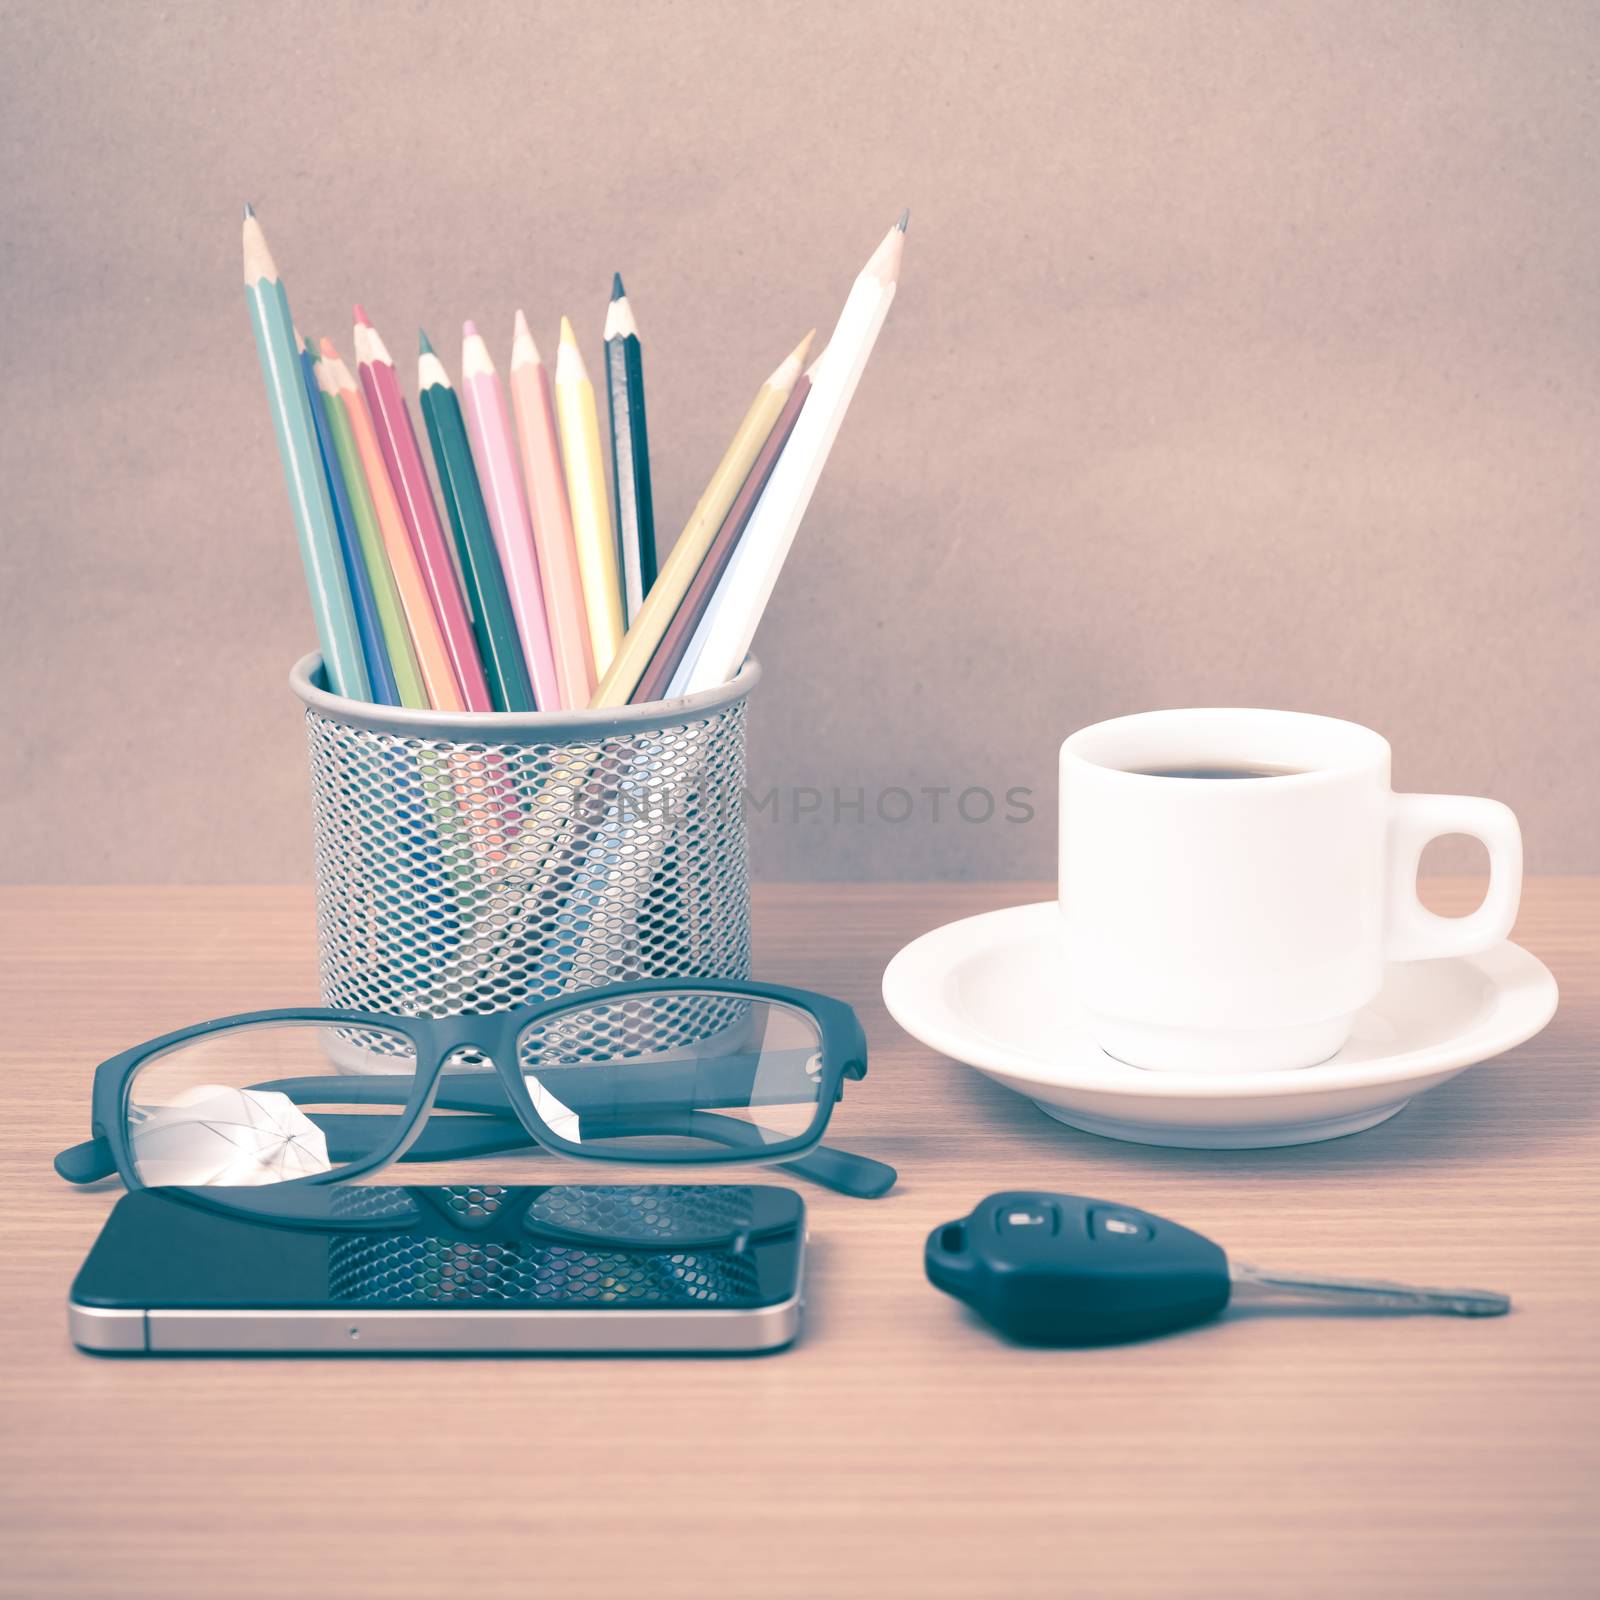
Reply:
x=730, y=624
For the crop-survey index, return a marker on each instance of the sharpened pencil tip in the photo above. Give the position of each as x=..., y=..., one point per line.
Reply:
x=362, y=317
x=617, y=291
x=424, y=343
x=469, y=329
x=249, y=211
x=567, y=335
x=905, y=217
x=523, y=350
x=329, y=353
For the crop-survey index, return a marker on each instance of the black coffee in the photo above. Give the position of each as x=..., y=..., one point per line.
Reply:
x=1254, y=770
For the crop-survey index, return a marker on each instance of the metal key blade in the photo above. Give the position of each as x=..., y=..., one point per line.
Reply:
x=1252, y=1286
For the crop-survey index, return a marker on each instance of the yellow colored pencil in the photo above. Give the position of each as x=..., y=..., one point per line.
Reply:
x=586, y=490
x=677, y=573
x=533, y=406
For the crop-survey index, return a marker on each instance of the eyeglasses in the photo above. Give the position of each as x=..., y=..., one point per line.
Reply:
x=661, y=1071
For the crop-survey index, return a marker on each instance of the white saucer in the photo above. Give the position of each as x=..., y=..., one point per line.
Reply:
x=989, y=991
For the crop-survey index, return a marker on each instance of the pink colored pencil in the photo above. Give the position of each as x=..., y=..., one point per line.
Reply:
x=489, y=427
x=398, y=439
x=534, y=409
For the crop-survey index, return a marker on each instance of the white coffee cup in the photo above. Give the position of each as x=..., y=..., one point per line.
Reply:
x=1232, y=924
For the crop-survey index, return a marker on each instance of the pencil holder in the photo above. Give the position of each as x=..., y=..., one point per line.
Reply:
x=476, y=862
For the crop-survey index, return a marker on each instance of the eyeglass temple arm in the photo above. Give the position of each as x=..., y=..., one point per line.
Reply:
x=845, y=1172
x=733, y=1076
x=88, y=1162
x=351, y=1137
x=448, y=1139
x=92, y=1160
x=858, y=1176
x=841, y=1170
x=497, y=1130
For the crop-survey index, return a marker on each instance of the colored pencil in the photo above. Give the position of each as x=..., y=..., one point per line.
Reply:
x=620, y=682
x=657, y=679
x=586, y=492
x=331, y=606
x=741, y=598
x=492, y=621
x=630, y=452
x=369, y=629
x=545, y=480
x=489, y=426
x=397, y=437
x=427, y=637
x=401, y=654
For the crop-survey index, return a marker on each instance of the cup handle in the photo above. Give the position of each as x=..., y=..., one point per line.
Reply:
x=1418, y=934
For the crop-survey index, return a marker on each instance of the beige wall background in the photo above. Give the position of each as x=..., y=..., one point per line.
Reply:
x=1245, y=353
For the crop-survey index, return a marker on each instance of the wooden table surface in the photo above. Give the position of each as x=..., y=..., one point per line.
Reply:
x=897, y=1449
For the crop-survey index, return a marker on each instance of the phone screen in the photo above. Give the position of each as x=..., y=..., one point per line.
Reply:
x=548, y=1247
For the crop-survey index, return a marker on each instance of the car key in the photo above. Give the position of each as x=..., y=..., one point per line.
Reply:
x=1061, y=1269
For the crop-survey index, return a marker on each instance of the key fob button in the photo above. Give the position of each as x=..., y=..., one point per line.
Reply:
x=1028, y=1218
x=1118, y=1226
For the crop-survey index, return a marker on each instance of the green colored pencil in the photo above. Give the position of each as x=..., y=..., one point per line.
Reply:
x=385, y=593
x=492, y=619
x=630, y=453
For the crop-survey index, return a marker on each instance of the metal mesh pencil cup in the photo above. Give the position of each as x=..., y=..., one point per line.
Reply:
x=476, y=862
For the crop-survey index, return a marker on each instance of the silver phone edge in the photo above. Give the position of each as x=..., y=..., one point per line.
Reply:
x=418, y=1331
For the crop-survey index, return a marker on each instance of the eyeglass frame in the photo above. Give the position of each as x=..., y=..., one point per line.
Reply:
x=842, y=1051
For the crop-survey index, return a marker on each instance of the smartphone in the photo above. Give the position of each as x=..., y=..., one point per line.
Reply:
x=355, y=1269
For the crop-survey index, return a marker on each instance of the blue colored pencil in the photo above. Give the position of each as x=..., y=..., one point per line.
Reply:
x=369, y=626
x=331, y=606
